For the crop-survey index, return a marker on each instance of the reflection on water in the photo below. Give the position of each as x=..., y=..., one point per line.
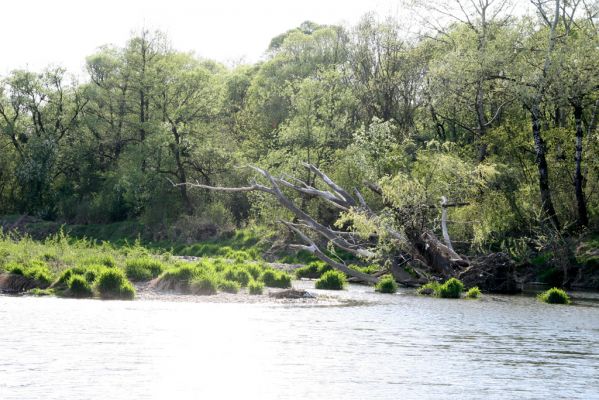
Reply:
x=398, y=347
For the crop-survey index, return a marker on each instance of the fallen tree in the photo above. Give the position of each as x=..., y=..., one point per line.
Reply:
x=414, y=254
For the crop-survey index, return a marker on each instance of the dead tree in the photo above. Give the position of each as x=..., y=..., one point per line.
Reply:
x=414, y=245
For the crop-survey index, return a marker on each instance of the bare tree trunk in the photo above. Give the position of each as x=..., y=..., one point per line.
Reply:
x=583, y=219
x=541, y=162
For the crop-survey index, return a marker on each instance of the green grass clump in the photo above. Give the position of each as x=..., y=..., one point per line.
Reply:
x=229, y=286
x=204, y=285
x=182, y=273
x=554, y=296
x=35, y=270
x=255, y=287
x=143, y=269
x=254, y=269
x=368, y=269
x=451, y=289
x=331, y=280
x=112, y=283
x=429, y=289
x=40, y=292
x=276, y=279
x=473, y=293
x=79, y=287
x=313, y=270
x=386, y=284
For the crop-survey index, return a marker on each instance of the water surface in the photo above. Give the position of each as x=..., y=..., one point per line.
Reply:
x=378, y=347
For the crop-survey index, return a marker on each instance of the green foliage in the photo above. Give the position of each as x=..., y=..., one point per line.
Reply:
x=143, y=269
x=451, y=289
x=429, y=289
x=229, y=286
x=79, y=287
x=276, y=279
x=554, y=296
x=386, y=284
x=473, y=293
x=313, y=270
x=331, y=280
x=204, y=285
x=112, y=283
x=41, y=292
x=255, y=287
x=35, y=270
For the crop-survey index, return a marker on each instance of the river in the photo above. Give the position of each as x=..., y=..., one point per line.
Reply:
x=375, y=346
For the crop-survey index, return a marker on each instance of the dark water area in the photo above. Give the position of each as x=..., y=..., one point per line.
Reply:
x=366, y=346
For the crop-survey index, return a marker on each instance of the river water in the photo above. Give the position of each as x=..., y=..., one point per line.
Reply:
x=374, y=347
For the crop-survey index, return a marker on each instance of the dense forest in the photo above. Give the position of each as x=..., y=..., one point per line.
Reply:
x=494, y=112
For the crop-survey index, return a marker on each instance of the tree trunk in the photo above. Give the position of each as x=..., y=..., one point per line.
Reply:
x=541, y=161
x=583, y=219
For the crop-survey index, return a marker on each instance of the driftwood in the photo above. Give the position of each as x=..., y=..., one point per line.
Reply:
x=416, y=246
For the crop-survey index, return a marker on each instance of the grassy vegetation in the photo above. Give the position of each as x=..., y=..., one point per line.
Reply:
x=331, y=280
x=112, y=283
x=79, y=287
x=554, y=296
x=313, y=270
x=473, y=293
x=143, y=269
x=451, y=289
x=275, y=279
x=386, y=284
x=255, y=287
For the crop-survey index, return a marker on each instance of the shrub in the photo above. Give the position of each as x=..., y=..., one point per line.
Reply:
x=254, y=270
x=451, y=289
x=183, y=273
x=255, y=287
x=386, y=284
x=331, y=280
x=15, y=268
x=473, y=292
x=41, y=292
x=112, y=283
x=143, y=269
x=554, y=296
x=204, y=285
x=276, y=279
x=313, y=270
x=229, y=286
x=63, y=279
x=429, y=289
x=79, y=287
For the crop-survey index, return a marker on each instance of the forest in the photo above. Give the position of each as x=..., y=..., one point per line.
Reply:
x=473, y=139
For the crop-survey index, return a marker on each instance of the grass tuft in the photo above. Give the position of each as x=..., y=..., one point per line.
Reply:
x=554, y=296
x=386, y=284
x=331, y=280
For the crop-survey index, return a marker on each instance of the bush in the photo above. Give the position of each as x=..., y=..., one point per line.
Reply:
x=386, y=284
x=313, y=270
x=554, y=296
x=276, y=279
x=182, y=273
x=473, y=293
x=79, y=287
x=255, y=287
x=451, y=289
x=113, y=284
x=35, y=270
x=254, y=270
x=229, y=286
x=429, y=289
x=204, y=285
x=143, y=269
x=331, y=280
x=40, y=292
